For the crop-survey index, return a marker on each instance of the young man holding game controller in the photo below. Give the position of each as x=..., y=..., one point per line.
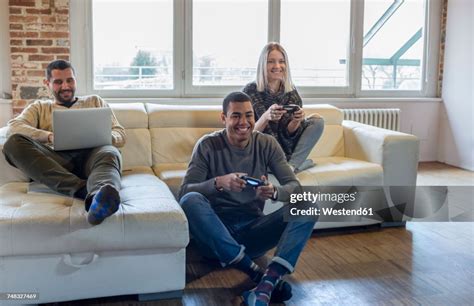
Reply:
x=224, y=208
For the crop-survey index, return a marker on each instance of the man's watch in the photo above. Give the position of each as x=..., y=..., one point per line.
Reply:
x=275, y=194
x=220, y=189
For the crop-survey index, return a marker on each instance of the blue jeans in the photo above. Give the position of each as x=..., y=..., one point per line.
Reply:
x=307, y=141
x=229, y=240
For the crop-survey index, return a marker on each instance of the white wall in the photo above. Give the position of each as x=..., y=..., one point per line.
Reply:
x=5, y=82
x=457, y=113
x=5, y=111
x=5, y=68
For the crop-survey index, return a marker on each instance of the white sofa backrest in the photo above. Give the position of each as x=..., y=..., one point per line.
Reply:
x=331, y=142
x=134, y=118
x=175, y=129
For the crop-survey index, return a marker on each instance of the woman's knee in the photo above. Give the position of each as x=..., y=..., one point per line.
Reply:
x=319, y=121
x=316, y=124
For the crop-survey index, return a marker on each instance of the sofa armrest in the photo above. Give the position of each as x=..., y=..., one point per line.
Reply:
x=7, y=172
x=396, y=152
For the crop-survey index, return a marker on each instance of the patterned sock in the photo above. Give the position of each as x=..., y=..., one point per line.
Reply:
x=282, y=292
x=250, y=268
x=261, y=295
x=104, y=204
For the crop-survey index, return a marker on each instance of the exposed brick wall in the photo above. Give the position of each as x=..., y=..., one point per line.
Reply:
x=444, y=17
x=39, y=33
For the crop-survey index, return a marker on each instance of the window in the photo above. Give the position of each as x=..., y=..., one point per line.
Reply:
x=393, y=44
x=133, y=44
x=207, y=48
x=316, y=35
x=225, y=50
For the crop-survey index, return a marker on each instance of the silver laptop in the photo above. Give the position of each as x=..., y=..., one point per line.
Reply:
x=82, y=128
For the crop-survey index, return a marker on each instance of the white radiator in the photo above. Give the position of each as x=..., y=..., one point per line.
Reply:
x=387, y=118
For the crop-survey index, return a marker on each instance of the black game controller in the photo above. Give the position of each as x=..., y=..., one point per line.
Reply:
x=251, y=181
x=291, y=108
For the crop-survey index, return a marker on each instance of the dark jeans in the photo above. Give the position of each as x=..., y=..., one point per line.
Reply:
x=228, y=240
x=68, y=171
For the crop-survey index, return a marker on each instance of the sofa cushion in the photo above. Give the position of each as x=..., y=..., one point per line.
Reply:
x=137, y=149
x=331, y=114
x=172, y=174
x=134, y=118
x=342, y=171
x=175, y=129
x=193, y=116
x=131, y=115
x=175, y=145
x=331, y=143
x=40, y=223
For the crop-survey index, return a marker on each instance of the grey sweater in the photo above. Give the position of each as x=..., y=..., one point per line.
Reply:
x=214, y=156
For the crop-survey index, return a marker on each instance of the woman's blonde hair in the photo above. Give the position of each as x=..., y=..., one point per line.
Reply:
x=262, y=80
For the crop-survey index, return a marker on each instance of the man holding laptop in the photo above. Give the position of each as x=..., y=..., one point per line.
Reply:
x=70, y=144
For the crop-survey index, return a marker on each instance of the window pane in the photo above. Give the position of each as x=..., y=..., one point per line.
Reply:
x=133, y=44
x=393, y=44
x=315, y=34
x=228, y=36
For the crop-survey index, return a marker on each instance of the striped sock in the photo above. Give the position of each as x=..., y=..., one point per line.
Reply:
x=261, y=295
x=249, y=267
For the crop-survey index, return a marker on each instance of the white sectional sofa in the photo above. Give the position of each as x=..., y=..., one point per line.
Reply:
x=47, y=246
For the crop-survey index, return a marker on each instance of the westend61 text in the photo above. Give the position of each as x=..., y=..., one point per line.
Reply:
x=325, y=211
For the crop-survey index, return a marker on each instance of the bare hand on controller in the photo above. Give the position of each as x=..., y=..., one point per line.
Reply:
x=274, y=113
x=298, y=115
x=265, y=192
x=231, y=182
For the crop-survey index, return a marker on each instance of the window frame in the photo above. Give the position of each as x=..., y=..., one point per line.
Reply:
x=429, y=66
x=82, y=36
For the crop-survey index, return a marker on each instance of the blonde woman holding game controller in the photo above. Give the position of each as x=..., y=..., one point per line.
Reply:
x=279, y=109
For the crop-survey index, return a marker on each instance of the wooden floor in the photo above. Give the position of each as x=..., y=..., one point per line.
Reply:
x=435, y=174
x=422, y=264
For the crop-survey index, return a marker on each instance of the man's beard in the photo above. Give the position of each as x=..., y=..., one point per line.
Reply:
x=61, y=100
